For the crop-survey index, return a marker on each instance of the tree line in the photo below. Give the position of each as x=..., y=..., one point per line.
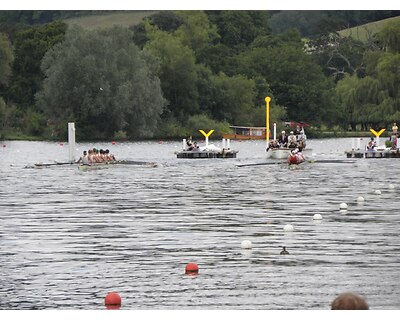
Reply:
x=180, y=71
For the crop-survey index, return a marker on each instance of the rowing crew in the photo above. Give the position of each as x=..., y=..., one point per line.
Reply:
x=96, y=156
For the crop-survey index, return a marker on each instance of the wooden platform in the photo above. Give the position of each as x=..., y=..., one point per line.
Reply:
x=373, y=154
x=206, y=154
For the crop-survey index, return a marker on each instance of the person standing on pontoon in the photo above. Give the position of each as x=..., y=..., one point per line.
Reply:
x=394, y=129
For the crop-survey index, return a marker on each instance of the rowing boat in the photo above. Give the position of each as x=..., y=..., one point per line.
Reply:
x=104, y=164
x=108, y=164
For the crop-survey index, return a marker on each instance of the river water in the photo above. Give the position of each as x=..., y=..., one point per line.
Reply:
x=67, y=237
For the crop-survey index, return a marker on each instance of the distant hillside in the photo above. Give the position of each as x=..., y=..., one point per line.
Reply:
x=125, y=19
x=361, y=32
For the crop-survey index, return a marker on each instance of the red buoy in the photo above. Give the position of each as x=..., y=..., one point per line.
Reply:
x=4, y=145
x=112, y=300
x=113, y=142
x=192, y=268
x=61, y=144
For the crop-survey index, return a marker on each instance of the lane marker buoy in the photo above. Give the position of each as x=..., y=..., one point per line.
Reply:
x=112, y=300
x=288, y=228
x=192, y=268
x=246, y=244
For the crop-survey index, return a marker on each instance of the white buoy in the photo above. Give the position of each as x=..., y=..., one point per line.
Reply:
x=378, y=192
x=343, y=205
x=391, y=186
x=317, y=216
x=360, y=199
x=246, y=244
x=288, y=228
x=343, y=211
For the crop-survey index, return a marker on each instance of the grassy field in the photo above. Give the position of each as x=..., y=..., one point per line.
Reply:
x=361, y=32
x=122, y=18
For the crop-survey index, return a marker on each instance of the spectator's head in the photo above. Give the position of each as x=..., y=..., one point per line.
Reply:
x=349, y=301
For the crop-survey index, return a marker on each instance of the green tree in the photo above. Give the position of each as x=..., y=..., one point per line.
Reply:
x=6, y=59
x=296, y=81
x=389, y=73
x=196, y=32
x=8, y=117
x=239, y=28
x=346, y=101
x=218, y=57
x=177, y=73
x=370, y=102
x=234, y=99
x=389, y=36
x=167, y=21
x=30, y=46
x=102, y=81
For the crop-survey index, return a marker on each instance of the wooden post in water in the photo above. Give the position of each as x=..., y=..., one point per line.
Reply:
x=71, y=141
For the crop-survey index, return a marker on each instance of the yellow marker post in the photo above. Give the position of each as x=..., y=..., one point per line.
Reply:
x=267, y=101
x=377, y=134
x=206, y=135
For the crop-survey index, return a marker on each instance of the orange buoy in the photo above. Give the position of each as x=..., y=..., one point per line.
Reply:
x=192, y=268
x=112, y=300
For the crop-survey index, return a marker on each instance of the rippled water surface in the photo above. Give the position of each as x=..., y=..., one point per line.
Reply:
x=68, y=237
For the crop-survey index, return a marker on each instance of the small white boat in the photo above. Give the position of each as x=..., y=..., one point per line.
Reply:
x=278, y=153
x=284, y=152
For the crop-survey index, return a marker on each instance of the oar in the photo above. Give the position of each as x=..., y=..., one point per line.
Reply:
x=259, y=164
x=331, y=161
x=134, y=162
x=51, y=164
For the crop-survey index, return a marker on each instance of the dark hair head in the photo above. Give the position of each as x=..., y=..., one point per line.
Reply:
x=349, y=301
